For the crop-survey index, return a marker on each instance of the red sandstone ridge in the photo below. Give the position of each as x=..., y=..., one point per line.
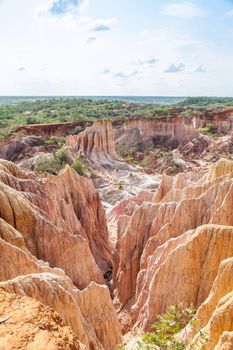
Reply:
x=64, y=206
x=175, y=131
x=59, y=221
x=96, y=143
x=156, y=251
x=47, y=130
x=172, y=245
x=58, y=214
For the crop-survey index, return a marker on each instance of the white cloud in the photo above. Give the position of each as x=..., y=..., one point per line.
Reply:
x=91, y=39
x=100, y=25
x=71, y=13
x=175, y=68
x=61, y=10
x=184, y=10
x=200, y=69
x=151, y=61
x=106, y=71
x=122, y=74
x=90, y=68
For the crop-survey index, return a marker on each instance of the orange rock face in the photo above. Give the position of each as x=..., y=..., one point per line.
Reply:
x=163, y=244
x=177, y=129
x=27, y=324
x=175, y=245
x=214, y=316
x=53, y=239
x=89, y=313
x=96, y=143
x=61, y=220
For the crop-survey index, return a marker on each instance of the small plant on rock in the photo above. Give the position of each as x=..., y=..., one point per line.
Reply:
x=165, y=329
x=208, y=130
x=53, y=163
x=80, y=166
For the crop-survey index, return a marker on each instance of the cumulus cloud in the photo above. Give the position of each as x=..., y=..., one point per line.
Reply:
x=91, y=39
x=121, y=74
x=152, y=60
x=60, y=8
x=200, y=69
x=175, y=68
x=106, y=71
x=149, y=61
x=101, y=25
x=124, y=74
x=184, y=10
x=21, y=69
x=71, y=13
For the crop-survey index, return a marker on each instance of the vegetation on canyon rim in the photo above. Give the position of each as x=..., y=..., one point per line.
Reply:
x=71, y=110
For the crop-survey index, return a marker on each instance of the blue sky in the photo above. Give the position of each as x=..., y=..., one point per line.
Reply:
x=116, y=47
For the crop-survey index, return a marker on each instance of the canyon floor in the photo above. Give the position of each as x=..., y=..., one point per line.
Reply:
x=103, y=233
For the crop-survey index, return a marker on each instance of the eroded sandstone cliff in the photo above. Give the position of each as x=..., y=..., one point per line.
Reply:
x=170, y=244
x=170, y=249
x=60, y=221
x=96, y=143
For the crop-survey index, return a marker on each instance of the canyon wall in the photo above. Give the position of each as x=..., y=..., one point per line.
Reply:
x=48, y=130
x=173, y=245
x=170, y=249
x=177, y=130
x=96, y=143
x=54, y=248
x=222, y=120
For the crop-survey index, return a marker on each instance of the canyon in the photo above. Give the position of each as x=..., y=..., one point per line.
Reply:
x=91, y=262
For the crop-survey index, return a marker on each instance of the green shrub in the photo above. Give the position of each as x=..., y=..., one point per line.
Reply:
x=145, y=163
x=62, y=141
x=209, y=129
x=62, y=156
x=62, y=118
x=186, y=113
x=77, y=130
x=56, y=141
x=31, y=120
x=165, y=329
x=49, y=164
x=53, y=163
x=160, y=154
x=6, y=132
x=80, y=167
x=120, y=185
x=130, y=159
x=175, y=168
x=50, y=142
x=93, y=174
